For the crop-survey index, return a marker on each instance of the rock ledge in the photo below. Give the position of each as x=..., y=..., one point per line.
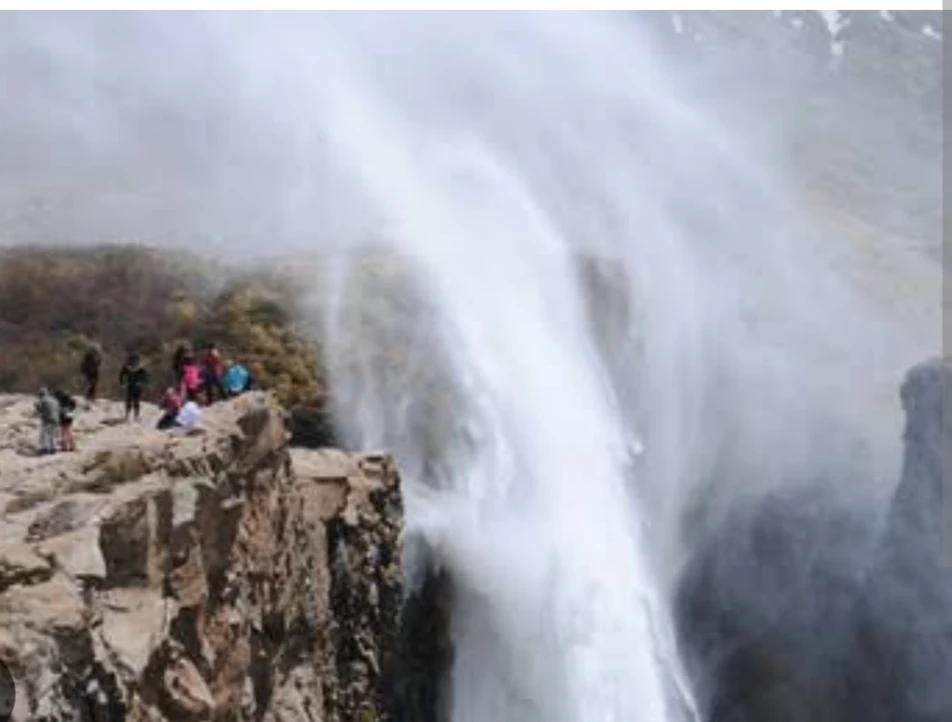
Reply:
x=213, y=575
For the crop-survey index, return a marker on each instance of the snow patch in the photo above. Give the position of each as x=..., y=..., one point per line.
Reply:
x=835, y=21
x=677, y=23
x=931, y=32
x=797, y=23
x=887, y=15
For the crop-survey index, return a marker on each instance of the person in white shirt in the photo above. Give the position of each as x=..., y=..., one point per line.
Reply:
x=189, y=415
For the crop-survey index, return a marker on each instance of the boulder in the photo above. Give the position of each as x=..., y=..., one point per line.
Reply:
x=20, y=564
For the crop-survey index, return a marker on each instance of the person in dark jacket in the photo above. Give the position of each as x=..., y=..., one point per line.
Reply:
x=181, y=355
x=133, y=378
x=213, y=368
x=67, y=412
x=92, y=360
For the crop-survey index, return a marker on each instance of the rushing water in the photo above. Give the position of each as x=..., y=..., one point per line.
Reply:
x=501, y=156
x=586, y=312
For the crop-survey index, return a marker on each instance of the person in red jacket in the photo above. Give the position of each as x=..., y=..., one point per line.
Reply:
x=170, y=404
x=213, y=368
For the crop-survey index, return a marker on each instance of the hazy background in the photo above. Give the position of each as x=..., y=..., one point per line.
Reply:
x=744, y=173
x=166, y=128
x=152, y=125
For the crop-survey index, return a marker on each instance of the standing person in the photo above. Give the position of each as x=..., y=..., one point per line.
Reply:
x=213, y=368
x=92, y=360
x=182, y=352
x=133, y=378
x=67, y=412
x=191, y=383
x=47, y=408
x=236, y=380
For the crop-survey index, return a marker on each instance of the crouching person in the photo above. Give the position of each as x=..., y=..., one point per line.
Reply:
x=170, y=404
x=189, y=416
x=179, y=413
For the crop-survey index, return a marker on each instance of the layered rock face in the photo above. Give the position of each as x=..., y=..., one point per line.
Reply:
x=209, y=575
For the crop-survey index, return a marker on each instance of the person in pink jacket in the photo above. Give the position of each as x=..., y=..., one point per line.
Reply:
x=191, y=379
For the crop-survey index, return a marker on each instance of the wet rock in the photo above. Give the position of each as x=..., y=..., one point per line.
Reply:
x=426, y=651
x=804, y=606
x=903, y=641
x=312, y=428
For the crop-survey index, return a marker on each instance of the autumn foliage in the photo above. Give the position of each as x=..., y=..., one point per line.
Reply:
x=55, y=302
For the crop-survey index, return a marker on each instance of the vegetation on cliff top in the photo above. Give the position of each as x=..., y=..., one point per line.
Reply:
x=54, y=302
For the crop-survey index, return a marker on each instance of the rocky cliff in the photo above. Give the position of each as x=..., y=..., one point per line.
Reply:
x=904, y=617
x=810, y=606
x=210, y=575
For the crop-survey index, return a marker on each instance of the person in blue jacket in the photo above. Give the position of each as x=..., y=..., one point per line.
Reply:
x=236, y=379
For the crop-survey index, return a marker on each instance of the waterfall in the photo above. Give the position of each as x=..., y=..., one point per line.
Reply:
x=577, y=290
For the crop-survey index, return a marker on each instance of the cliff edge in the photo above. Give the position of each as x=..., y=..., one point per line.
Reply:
x=211, y=575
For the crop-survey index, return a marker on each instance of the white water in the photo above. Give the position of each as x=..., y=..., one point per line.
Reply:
x=559, y=615
x=482, y=155
x=491, y=153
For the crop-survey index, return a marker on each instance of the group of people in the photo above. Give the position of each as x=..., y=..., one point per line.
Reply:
x=198, y=378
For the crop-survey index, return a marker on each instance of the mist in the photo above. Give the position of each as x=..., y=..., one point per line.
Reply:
x=579, y=282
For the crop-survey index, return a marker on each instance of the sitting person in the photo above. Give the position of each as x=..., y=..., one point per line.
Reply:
x=189, y=416
x=171, y=404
